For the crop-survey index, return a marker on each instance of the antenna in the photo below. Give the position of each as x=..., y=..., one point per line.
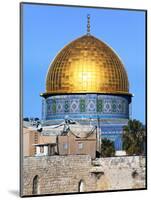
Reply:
x=88, y=24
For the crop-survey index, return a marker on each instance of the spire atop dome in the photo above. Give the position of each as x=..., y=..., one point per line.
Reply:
x=88, y=24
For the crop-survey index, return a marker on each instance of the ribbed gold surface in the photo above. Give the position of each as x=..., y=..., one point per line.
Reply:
x=87, y=65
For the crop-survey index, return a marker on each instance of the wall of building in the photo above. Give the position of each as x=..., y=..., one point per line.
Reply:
x=72, y=145
x=127, y=172
x=63, y=174
x=30, y=137
x=94, y=108
x=57, y=174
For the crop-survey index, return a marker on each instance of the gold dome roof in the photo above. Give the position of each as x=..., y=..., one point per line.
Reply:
x=87, y=65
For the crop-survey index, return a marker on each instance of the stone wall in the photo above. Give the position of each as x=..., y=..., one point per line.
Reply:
x=62, y=174
x=121, y=173
x=58, y=174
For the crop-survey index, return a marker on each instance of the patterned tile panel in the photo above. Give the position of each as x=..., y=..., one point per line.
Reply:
x=97, y=105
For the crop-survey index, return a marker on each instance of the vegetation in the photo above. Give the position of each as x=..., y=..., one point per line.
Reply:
x=26, y=119
x=107, y=148
x=134, y=138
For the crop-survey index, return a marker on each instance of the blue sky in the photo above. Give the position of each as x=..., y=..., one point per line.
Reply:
x=47, y=29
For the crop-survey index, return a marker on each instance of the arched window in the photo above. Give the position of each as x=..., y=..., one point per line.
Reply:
x=81, y=186
x=36, y=185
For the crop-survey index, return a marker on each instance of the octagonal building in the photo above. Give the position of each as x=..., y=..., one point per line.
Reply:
x=88, y=83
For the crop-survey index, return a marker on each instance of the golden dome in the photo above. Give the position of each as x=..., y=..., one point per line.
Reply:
x=87, y=65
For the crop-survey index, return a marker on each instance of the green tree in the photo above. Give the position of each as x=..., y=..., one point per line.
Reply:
x=134, y=138
x=107, y=148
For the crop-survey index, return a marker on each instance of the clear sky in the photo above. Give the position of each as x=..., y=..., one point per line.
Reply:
x=47, y=29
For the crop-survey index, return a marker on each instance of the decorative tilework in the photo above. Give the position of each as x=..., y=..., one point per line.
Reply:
x=53, y=106
x=66, y=106
x=91, y=106
x=114, y=106
x=107, y=106
x=43, y=109
x=59, y=108
x=74, y=106
x=82, y=105
x=119, y=107
x=123, y=106
x=99, y=105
